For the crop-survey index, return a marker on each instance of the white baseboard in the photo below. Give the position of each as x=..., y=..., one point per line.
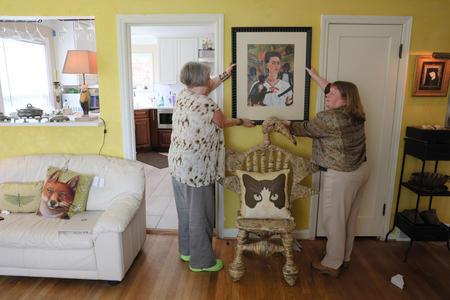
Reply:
x=298, y=234
x=302, y=234
x=230, y=233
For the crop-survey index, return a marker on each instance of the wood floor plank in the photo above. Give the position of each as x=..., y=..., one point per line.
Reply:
x=159, y=273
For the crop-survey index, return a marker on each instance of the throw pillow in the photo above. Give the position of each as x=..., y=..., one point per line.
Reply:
x=264, y=195
x=64, y=194
x=20, y=196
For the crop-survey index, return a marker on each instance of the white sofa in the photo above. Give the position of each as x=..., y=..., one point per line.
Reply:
x=31, y=245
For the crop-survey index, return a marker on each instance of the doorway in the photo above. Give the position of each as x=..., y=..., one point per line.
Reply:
x=372, y=52
x=168, y=41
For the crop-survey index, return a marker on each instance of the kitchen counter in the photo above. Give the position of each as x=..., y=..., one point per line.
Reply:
x=45, y=122
x=54, y=124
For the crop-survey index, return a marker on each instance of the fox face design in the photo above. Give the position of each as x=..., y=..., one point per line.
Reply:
x=57, y=196
x=265, y=197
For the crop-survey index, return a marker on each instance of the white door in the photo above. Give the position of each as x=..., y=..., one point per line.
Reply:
x=368, y=55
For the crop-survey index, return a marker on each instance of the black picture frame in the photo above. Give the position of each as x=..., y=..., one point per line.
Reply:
x=294, y=46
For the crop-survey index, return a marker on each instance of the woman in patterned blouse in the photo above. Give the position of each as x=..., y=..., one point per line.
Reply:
x=339, y=150
x=196, y=162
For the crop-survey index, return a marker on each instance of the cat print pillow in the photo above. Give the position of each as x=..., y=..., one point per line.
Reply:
x=264, y=195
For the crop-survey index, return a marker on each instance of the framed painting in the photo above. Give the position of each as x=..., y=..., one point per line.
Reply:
x=431, y=77
x=270, y=79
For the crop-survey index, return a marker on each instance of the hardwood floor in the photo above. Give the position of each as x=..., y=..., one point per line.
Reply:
x=158, y=273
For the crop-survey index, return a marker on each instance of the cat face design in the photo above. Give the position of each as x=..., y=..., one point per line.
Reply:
x=268, y=194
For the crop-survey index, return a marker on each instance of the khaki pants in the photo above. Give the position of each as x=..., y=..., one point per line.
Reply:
x=340, y=199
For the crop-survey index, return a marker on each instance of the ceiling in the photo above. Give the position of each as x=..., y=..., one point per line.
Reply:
x=150, y=34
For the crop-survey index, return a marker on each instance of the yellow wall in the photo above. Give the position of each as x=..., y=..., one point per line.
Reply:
x=430, y=32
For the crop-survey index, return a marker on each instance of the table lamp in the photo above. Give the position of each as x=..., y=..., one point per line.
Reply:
x=82, y=62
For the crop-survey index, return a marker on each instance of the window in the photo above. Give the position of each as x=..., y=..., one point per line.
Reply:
x=24, y=77
x=142, y=69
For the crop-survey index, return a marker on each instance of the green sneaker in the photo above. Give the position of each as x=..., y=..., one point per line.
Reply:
x=185, y=257
x=218, y=266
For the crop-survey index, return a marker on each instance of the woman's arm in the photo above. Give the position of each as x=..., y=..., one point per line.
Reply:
x=320, y=81
x=315, y=128
x=214, y=82
x=223, y=122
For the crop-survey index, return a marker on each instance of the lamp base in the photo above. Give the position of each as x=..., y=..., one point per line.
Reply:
x=86, y=119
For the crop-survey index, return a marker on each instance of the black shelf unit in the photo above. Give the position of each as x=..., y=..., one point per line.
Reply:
x=428, y=147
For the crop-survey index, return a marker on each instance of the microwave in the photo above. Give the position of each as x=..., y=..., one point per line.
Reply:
x=165, y=118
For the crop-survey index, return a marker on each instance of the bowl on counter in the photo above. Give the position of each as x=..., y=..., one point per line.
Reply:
x=30, y=112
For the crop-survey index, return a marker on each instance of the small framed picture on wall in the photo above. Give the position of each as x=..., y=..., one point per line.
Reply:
x=270, y=79
x=431, y=77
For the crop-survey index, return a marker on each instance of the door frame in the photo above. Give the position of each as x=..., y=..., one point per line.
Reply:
x=406, y=23
x=124, y=22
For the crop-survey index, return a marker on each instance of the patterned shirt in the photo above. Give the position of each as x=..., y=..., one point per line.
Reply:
x=338, y=143
x=197, y=148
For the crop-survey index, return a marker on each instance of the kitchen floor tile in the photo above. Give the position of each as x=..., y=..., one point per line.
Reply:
x=169, y=219
x=152, y=221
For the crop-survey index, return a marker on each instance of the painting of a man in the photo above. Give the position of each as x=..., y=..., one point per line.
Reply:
x=268, y=86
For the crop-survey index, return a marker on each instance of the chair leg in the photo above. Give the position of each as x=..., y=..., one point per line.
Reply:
x=290, y=270
x=237, y=268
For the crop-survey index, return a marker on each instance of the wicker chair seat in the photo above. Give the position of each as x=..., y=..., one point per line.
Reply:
x=275, y=226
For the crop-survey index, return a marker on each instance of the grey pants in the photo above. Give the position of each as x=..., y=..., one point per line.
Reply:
x=195, y=208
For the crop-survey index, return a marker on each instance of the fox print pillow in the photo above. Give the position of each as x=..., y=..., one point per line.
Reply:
x=64, y=194
x=264, y=195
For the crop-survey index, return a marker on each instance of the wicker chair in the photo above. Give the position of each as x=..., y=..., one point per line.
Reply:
x=264, y=158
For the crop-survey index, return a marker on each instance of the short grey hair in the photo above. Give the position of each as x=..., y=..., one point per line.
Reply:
x=195, y=74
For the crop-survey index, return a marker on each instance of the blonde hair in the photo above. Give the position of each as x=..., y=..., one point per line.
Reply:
x=354, y=107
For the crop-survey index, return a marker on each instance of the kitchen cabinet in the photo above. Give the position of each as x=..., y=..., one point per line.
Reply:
x=142, y=129
x=153, y=113
x=164, y=137
x=148, y=135
x=172, y=55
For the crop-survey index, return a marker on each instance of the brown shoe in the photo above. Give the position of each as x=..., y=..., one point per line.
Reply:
x=318, y=267
x=345, y=264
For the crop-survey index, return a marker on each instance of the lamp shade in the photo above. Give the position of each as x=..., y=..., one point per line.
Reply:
x=80, y=62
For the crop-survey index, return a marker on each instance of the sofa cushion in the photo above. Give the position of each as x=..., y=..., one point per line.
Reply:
x=30, y=168
x=30, y=230
x=20, y=196
x=117, y=177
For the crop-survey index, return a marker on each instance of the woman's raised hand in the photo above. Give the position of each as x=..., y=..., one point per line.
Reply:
x=230, y=68
x=311, y=72
x=320, y=81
